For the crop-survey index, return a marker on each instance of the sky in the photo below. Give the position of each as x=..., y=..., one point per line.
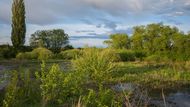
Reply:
x=90, y=22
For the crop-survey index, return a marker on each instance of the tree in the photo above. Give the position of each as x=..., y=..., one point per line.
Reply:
x=154, y=38
x=18, y=24
x=137, y=39
x=51, y=39
x=118, y=41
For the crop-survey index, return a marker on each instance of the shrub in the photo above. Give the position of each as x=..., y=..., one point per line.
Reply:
x=20, y=56
x=103, y=98
x=59, y=87
x=43, y=53
x=39, y=53
x=71, y=54
x=140, y=54
x=7, y=52
x=96, y=64
x=126, y=55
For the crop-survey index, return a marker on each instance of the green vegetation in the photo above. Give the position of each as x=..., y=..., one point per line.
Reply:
x=38, y=53
x=70, y=54
x=51, y=39
x=118, y=41
x=155, y=56
x=96, y=64
x=18, y=24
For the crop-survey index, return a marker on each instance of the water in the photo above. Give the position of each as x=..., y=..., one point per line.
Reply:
x=173, y=97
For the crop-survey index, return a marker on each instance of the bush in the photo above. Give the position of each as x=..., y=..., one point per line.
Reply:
x=71, y=54
x=96, y=64
x=59, y=87
x=7, y=52
x=126, y=55
x=39, y=53
x=140, y=55
x=43, y=53
x=103, y=98
x=21, y=56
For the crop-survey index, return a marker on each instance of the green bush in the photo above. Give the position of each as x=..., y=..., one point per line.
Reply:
x=59, y=87
x=126, y=55
x=21, y=56
x=39, y=53
x=71, y=54
x=140, y=55
x=7, y=52
x=103, y=98
x=43, y=53
x=96, y=64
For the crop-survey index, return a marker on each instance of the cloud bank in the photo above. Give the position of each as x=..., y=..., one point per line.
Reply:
x=95, y=19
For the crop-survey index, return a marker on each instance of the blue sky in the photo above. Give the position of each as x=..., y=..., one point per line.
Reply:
x=91, y=21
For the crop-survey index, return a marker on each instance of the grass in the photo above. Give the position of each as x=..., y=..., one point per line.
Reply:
x=153, y=76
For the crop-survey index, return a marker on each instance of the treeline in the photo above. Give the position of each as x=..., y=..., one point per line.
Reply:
x=157, y=40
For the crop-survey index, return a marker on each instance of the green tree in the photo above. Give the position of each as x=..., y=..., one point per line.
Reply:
x=154, y=38
x=118, y=41
x=52, y=39
x=137, y=40
x=18, y=24
x=182, y=47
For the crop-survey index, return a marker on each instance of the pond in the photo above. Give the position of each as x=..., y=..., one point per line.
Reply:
x=32, y=66
x=179, y=97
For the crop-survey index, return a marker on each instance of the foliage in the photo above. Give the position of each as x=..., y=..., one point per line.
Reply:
x=12, y=89
x=38, y=53
x=148, y=37
x=51, y=39
x=152, y=76
x=182, y=48
x=7, y=52
x=22, y=90
x=118, y=41
x=68, y=47
x=126, y=55
x=103, y=98
x=43, y=53
x=59, y=87
x=140, y=55
x=96, y=64
x=153, y=58
x=18, y=23
x=71, y=54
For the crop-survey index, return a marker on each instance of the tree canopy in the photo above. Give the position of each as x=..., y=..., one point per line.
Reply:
x=118, y=41
x=51, y=39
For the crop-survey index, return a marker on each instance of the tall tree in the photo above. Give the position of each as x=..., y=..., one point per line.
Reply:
x=18, y=24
